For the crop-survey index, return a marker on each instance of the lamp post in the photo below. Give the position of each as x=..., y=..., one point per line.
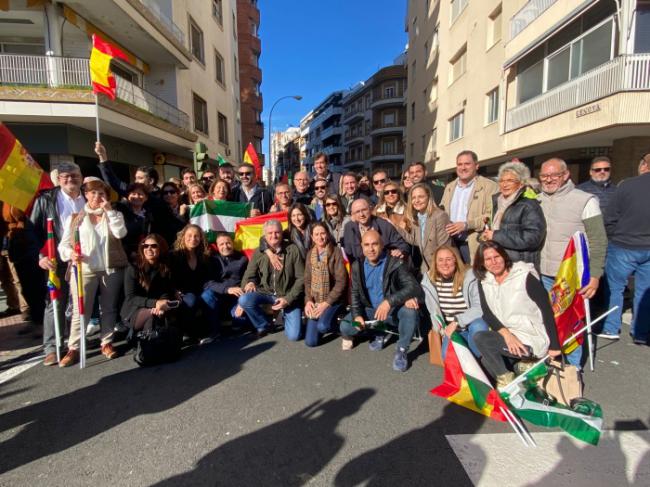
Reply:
x=295, y=97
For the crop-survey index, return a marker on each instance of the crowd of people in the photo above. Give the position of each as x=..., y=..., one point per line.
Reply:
x=364, y=257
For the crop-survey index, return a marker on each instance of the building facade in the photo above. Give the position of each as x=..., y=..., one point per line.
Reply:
x=179, y=87
x=528, y=80
x=250, y=76
x=285, y=157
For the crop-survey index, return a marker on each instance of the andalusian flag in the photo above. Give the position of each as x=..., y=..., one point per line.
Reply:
x=101, y=76
x=53, y=282
x=540, y=411
x=21, y=178
x=248, y=232
x=466, y=384
x=218, y=216
x=250, y=157
x=568, y=304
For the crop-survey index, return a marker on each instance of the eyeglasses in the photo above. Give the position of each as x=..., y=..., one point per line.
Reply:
x=149, y=246
x=601, y=169
x=379, y=181
x=328, y=205
x=557, y=175
x=245, y=174
x=508, y=181
x=320, y=188
x=207, y=178
x=169, y=191
x=390, y=191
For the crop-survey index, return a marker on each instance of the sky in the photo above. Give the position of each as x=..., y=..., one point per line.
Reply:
x=314, y=47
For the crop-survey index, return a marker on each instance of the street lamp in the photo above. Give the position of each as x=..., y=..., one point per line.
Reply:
x=295, y=97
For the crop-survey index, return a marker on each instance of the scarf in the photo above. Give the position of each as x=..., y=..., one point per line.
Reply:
x=92, y=232
x=503, y=204
x=320, y=275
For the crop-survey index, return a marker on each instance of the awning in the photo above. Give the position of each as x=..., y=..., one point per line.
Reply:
x=577, y=12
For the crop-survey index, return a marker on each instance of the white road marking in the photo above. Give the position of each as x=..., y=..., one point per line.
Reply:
x=9, y=374
x=622, y=458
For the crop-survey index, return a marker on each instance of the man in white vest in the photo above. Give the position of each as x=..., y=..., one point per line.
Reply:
x=568, y=210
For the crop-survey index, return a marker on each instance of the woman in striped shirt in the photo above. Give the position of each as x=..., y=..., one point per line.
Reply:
x=452, y=297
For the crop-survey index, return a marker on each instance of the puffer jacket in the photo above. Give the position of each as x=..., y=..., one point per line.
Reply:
x=523, y=228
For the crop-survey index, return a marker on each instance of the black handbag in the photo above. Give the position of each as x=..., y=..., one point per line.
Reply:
x=158, y=345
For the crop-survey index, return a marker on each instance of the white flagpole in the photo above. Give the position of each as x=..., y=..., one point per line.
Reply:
x=512, y=417
x=97, y=117
x=590, y=342
x=516, y=430
x=57, y=329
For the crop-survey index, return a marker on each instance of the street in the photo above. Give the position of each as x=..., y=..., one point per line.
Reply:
x=271, y=412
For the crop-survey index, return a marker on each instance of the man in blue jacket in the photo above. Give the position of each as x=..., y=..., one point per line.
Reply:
x=600, y=183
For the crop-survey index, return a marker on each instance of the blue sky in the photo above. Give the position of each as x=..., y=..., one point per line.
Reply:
x=314, y=47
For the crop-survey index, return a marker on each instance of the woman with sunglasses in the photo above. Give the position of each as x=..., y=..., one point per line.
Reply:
x=391, y=205
x=335, y=217
x=219, y=190
x=149, y=293
x=320, y=193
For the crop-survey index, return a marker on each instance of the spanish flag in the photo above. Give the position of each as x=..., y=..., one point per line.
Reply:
x=101, y=76
x=249, y=231
x=250, y=157
x=21, y=178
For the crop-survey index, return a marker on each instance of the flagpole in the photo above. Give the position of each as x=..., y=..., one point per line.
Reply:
x=590, y=343
x=97, y=117
x=51, y=255
x=80, y=302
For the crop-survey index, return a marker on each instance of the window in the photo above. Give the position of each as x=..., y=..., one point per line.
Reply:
x=200, y=114
x=388, y=146
x=258, y=116
x=124, y=72
x=196, y=42
x=253, y=28
x=457, y=7
x=494, y=27
x=413, y=66
x=642, y=32
x=492, y=106
x=530, y=77
x=458, y=64
x=236, y=65
x=234, y=26
x=456, y=126
x=217, y=11
x=424, y=143
x=388, y=119
x=413, y=111
x=223, y=128
x=258, y=87
x=389, y=91
x=411, y=149
x=219, y=68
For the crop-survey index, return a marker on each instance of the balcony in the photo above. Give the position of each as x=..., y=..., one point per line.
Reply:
x=73, y=74
x=326, y=114
x=331, y=131
x=387, y=102
x=386, y=129
x=527, y=15
x=351, y=139
x=352, y=115
x=333, y=149
x=387, y=155
x=624, y=73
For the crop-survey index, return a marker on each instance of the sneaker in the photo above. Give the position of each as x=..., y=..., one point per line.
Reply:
x=505, y=379
x=640, y=341
x=108, y=351
x=50, y=359
x=400, y=361
x=71, y=358
x=377, y=343
x=207, y=340
x=608, y=336
x=347, y=344
x=92, y=328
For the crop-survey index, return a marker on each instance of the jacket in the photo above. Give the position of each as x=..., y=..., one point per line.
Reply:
x=523, y=228
x=333, y=182
x=470, y=293
x=186, y=279
x=137, y=227
x=399, y=285
x=287, y=283
x=338, y=276
x=478, y=209
x=394, y=215
x=603, y=191
x=628, y=217
x=136, y=297
x=435, y=235
x=21, y=242
x=389, y=236
x=228, y=272
x=261, y=199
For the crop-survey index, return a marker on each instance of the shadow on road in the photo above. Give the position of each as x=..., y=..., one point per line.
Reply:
x=288, y=453
x=62, y=422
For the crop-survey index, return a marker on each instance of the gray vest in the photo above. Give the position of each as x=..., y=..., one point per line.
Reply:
x=563, y=213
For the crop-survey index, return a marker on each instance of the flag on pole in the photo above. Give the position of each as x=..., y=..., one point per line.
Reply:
x=220, y=160
x=466, y=384
x=218, y=216
x=53, y=282
x=568, y=304
x=528, y=405
x=79, y=275
x=101, y=77
x=250, y=157
x=21, y=178
x=248, y=232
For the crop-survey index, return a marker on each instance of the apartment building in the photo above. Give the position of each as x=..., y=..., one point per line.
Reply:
x=323, y=131
x=375, y=118
x=528, y=80
x=250, y=76
x=179, y=88
x=285, y=157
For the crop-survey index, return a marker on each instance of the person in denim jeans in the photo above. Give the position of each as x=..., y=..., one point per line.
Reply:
x=282, y=289
x=326, y=282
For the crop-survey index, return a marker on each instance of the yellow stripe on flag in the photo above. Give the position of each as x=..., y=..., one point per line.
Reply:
x=19, y=178
x=464, y=398
x=100, y=67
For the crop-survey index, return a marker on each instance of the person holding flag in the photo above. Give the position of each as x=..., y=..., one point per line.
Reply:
x=251, y=192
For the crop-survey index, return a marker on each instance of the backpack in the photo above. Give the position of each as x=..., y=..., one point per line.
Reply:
x=157, y=345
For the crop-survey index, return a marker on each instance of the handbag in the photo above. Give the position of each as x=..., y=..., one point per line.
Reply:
x=157, y=345
x=563, y=382
x=435, y=349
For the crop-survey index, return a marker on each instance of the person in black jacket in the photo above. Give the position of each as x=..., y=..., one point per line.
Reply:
x=362, y=221
x=600, y=182
x=251, y=192
x=137, y=219
x=383, y=289
x=518, y=222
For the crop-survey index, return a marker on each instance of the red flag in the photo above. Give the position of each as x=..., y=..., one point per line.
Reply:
x=101, y=76
x=249, y=231
x=250, y=157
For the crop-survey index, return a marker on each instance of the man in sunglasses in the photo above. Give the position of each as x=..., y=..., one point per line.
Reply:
x=207, y=178
x=378, y=179
x=600, y=184
x=249, y=191
x=320, y=195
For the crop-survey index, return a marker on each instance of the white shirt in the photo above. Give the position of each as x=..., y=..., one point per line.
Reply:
x=591, y=209
x=67, y=205
x=249, y=193
x=460, y=201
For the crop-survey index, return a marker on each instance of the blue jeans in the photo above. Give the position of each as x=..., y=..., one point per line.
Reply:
x=405, y=319
x=207, y=302
x=252, y=304
x=468, y=334
x=320, y=326
x=575, y=357
x=620, y=265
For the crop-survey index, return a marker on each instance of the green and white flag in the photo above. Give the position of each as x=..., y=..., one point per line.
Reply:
x=536, y=410
x=218, y=216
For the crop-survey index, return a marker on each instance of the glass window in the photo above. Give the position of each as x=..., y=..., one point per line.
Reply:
x=642, y=33
x=389, y=91
x=494, y=27
x=219, y=68
x=456, y=126
x=200, y=114
x=558, y=68
x=223, y=128
x=389, y=119
x=217, y=10
x=457, y=6
x=592, y=50
x=493, y=105
x=388, y=146
x=458, y=65
x=530, y=82
x=196, y=42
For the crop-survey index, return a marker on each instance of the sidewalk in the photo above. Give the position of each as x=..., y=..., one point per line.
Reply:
x=13, y=345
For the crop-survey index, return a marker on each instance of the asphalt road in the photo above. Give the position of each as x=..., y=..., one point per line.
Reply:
x=263, y=413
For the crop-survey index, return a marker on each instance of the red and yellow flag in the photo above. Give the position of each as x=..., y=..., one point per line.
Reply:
x=250, y=157
x=249, y=231
x=101, y=77
x=20, y=175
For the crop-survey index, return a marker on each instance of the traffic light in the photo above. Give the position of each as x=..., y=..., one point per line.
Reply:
x=200, y=156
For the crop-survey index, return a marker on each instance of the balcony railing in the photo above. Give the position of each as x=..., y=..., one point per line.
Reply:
x=623, y=73
x=162, y=17
x=62, y=72
x=527, y=15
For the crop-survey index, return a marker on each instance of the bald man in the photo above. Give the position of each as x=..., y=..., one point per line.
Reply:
x=383, y=289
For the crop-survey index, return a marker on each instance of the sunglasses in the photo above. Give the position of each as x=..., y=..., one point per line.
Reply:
x=245, y=174
x=208, y=178
x=379, y=181
x=327, y=205
x=390, y=191
x=169, y=191
x=601, y=169
x=319, y=188
x=149, y=246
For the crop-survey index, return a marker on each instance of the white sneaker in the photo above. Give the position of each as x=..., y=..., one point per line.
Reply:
x=92, y=329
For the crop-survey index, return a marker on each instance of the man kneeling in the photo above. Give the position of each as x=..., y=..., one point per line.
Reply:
x=383, y=289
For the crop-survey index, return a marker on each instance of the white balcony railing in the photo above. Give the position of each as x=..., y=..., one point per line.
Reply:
x=527, y=15
x=623, y=73
x=164, y=19
x=62, y=72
